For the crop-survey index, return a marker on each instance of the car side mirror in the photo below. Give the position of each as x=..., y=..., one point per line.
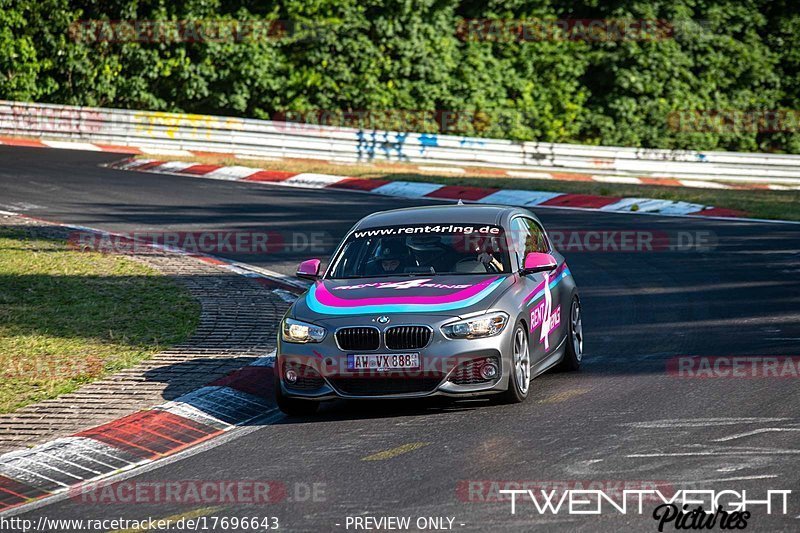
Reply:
x=538, y=262
x=308, y=270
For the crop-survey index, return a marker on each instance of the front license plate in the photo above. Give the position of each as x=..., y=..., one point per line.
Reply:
x=392, y=361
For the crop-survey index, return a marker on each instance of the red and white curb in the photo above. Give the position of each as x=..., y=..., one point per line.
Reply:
x=663, y=181
x=667, y=181
x=146, y=436
x=409, y=189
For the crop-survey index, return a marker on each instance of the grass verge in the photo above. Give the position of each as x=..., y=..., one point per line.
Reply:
x=69, y=317
x=779, y=205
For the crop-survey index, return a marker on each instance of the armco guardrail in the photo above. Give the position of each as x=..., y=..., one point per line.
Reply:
x=263, y=138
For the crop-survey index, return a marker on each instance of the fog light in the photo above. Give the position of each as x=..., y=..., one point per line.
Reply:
x=489, y=371
x=291, y=375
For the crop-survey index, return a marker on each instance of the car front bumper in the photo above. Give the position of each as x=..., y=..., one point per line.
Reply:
x=441, y=365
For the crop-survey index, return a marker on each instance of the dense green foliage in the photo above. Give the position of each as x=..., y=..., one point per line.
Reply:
x=424, y=55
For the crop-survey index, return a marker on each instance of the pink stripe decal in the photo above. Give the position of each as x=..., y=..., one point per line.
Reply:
x=324, y=297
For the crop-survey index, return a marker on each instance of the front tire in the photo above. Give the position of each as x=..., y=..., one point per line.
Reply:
x=293, y=406
x=519, y=382
x=573, y=353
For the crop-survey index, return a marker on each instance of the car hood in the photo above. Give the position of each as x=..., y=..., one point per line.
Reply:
x=434, y=295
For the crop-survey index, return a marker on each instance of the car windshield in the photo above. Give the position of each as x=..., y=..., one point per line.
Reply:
x=451, y=249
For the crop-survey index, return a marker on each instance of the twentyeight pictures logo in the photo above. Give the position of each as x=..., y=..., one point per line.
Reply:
x=682, y=509
x=671, y=507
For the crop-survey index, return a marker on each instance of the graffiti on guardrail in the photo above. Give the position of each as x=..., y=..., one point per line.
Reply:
x=734, y=121
x=25, y=119
x=267, y=138
x=183, y=124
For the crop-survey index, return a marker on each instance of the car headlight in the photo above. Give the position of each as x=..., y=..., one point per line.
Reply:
x=476, y=328
x=301, y=332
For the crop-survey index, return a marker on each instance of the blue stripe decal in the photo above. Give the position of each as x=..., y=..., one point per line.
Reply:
x=553, y=285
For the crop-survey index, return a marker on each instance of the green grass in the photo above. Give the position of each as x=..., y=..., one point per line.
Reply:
x=69, y=317
x=784, y=205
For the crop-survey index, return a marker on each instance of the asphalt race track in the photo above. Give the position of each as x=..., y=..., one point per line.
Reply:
x=622, y=418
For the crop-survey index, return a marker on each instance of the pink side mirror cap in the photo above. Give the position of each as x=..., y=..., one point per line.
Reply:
x=308, y=269
x=539, y=262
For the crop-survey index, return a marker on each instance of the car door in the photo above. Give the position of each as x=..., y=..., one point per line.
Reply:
x=543, y=304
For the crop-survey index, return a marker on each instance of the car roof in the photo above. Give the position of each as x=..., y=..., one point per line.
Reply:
x=443, y=214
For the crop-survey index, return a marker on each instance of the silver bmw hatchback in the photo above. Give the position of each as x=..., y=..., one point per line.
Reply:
x=459, y=301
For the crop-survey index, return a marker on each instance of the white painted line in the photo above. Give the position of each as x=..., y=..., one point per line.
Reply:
x=87, y=447
x=407, y=189
x=711, y=454
x=57, y=458
x=232, y=173
x=617, y=179
x=755, y=432
x=238, y=397
x=22, y=206
x=237, y=270
x=671, y=423
x=178, y=407
x=271, y=274
x=174, y=166
x=700, y=184
x=312, y=181
x=448, y=170
x=681, y=208
x=783, y=188
x=518, y=197
x=528, y=174
x=257, y=157
x=638, y=205
x=131, y=164
x=742, y=478
x=27, y=476
x=69, y=145
x=286, y=296
x=265, y=360
x=165, y=151
x=204, y=400
x=33, y=459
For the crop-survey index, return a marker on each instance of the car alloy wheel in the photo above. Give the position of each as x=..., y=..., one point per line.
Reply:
x=577, y=329
x=522, y=361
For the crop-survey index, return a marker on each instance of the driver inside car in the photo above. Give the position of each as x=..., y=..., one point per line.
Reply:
x=392, y=259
